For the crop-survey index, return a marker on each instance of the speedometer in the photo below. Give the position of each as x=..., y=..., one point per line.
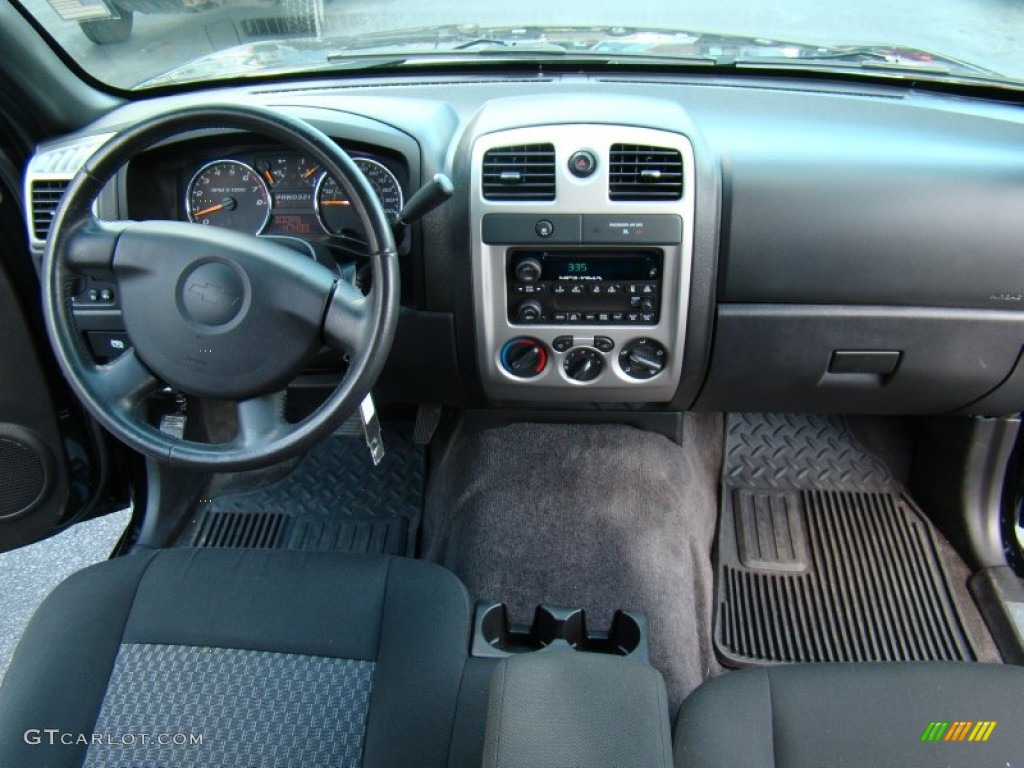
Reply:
x=335, y=209
x=230, y=194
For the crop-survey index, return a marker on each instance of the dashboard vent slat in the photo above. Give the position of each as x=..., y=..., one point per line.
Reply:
x=521, y=172
x=644, y=173
x=46, y=197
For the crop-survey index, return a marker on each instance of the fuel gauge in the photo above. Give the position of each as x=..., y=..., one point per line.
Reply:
x=273, y=170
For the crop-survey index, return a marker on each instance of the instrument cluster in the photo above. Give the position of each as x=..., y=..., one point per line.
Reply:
x=284, y=193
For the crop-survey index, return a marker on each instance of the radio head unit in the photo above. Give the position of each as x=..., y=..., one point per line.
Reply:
x=573, y=286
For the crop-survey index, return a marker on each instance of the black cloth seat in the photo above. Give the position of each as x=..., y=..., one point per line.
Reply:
x=879, y=715
x=270, y=658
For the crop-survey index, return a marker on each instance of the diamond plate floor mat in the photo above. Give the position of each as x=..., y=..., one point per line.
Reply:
x=333, y=499
x=821, y=556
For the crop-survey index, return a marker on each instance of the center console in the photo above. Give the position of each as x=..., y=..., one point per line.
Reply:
x=582, y=240
x=576, y=709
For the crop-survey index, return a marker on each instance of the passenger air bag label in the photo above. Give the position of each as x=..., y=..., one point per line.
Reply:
x=665, y=229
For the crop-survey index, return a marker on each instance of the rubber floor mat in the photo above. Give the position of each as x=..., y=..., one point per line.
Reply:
x=334, y=499
x=821, y=556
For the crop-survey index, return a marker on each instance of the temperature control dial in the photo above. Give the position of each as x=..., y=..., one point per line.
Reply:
x=524, y=357
x=583, y=364
x=642, y=358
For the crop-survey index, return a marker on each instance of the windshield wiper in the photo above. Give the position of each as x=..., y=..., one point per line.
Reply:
x=480, y=41
x=876, y=59
x=529, y=53
x=360, y=60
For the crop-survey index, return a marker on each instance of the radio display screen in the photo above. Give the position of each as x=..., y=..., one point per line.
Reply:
x=597, y=265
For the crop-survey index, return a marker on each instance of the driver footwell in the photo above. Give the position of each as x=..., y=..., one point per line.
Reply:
x=333, y=499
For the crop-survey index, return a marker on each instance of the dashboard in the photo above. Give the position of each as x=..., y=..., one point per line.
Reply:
x=646, y=242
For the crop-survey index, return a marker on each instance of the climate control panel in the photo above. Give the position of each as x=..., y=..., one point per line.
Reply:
x=582, y=359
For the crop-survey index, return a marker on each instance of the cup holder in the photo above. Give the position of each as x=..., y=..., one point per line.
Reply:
x=555, y=628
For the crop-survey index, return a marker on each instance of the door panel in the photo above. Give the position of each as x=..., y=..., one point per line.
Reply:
x=33, y=465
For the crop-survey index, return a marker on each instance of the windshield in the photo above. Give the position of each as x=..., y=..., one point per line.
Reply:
x=133, y=44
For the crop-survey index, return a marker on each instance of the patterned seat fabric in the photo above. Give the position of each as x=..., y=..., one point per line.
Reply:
x=253, y=658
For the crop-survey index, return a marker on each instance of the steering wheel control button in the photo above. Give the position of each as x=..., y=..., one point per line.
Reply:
x=562, y=343
x=106, y=345
x=604, y=344
x=93, y=291
x=642, y=359
x=544, y=228
x=582, y=163
x=583, y=364
x=212, y=294
x=524, y=357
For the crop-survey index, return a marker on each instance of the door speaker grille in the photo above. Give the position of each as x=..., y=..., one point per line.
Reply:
x=22, y=476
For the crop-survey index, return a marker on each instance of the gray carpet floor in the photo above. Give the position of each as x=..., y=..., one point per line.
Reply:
x=29, y=574
x=594, y=516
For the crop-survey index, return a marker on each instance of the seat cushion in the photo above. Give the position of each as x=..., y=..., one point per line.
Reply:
x=270, y=657
x=878, y=715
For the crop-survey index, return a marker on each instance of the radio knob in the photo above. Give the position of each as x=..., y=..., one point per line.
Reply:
x=528, y=270
x=529, y=311
x=583, y=364
x=642, y=359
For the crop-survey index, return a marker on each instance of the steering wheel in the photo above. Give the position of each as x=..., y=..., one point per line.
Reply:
x=215, y=313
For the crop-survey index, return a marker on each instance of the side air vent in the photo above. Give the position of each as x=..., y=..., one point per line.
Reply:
x=639, y=172
x=46, y=196
x=521, y=172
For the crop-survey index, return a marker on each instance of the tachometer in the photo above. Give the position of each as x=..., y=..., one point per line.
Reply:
x=334, y=207
x=230, y=194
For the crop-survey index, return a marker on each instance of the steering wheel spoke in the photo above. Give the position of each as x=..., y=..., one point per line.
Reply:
x=91, y=243
x=347, y=321
x=124, y=382
x=260, y=419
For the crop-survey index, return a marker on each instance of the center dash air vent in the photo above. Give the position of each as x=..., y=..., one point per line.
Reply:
x=46, y=196
x=639, y=172
x=521, y=172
